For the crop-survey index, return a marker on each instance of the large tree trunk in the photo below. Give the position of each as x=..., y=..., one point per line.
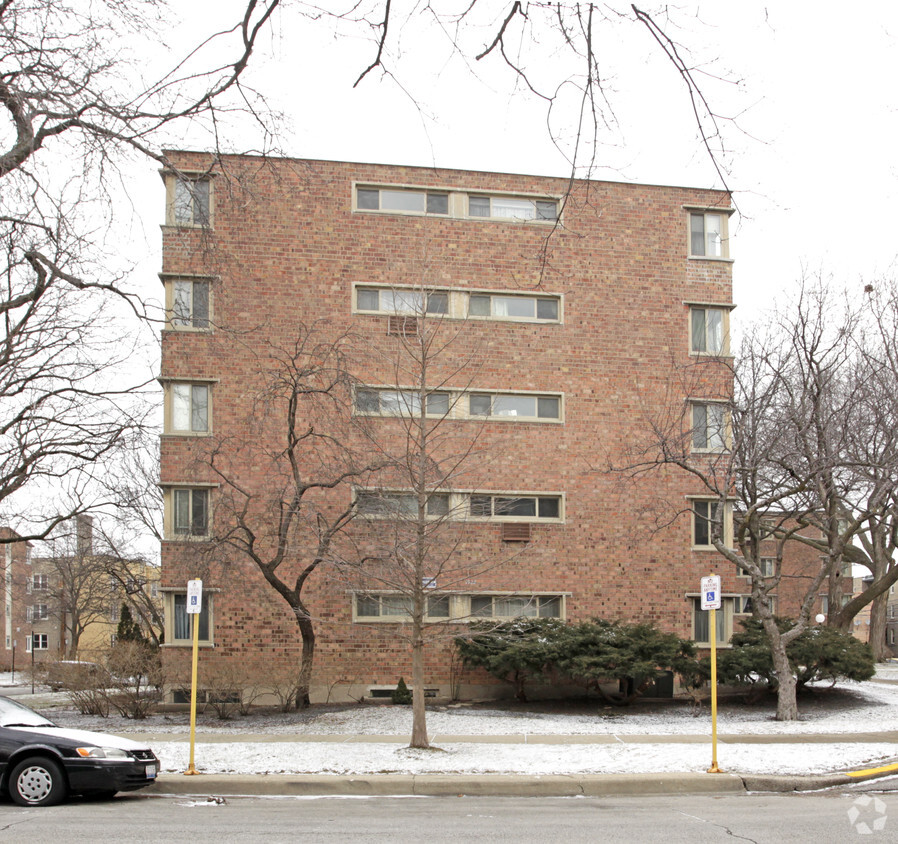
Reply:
x=786, y=700
x=878, y=614
x=307, y=631
x=419, y=715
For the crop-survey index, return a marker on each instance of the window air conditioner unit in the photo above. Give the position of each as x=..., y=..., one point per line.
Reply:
x=515, y=531
x=400, y=326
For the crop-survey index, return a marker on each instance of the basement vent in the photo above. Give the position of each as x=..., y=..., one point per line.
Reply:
x=515, y=532
x=400, y=326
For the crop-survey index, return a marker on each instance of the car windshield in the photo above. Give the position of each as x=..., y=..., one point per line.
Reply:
x=14, y=714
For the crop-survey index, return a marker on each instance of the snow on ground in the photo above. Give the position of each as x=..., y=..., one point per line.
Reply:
x=864, y=707
x=532, y=759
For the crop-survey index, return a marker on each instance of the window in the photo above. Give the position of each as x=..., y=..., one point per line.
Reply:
x=457, y=607
x=504, y=406
x=890, y=634
x=708, y=427
x=400, y=402
x=511, y=507
x=824, y=604
x=38, y=612
x=192, y=202
x=402, y=201
x=189, y=304
x=709, y=330
x=398, y=607
x=457, y=204
x=516, y=606
x=401, y=300
x=513, y=307
x=708, y=234
x=189, y=408
x=742, y=605
x=38, y=642
x=400, y=504
x=190, y=512
x=456, y=304
x=510, y=208
x=522, y=507
x=514, y=406
x=768, y=566
x=701, y=622
x=706, y=516
x=178, y=620
x=40, y=582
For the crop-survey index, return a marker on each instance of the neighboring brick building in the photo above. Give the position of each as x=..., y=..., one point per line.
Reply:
x=26, y=618
x=576, y=308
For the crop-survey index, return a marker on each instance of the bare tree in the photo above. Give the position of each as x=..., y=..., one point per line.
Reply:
x=419, y=549
x=76, y=111
x=285, y=504
x=782, y=462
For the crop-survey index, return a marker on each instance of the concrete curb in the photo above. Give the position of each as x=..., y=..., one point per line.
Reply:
x=445, y=785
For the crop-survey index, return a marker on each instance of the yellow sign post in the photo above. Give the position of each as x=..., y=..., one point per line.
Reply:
x=194, y=608
x=711, y=601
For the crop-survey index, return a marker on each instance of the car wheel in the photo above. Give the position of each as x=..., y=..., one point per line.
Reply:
x=37, y=782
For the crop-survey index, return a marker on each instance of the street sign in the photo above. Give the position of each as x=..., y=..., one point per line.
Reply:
x=711, y=593
x=194, y=596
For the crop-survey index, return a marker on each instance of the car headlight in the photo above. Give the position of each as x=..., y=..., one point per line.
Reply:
x=102, y=752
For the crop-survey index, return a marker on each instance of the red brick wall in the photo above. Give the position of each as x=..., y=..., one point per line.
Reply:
x=286, y=247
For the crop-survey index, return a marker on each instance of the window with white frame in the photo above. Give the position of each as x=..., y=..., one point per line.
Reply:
x=709, y=330
x=707, y=517
x=178, y=622
x=188, y=408
x=402, y=201
x=38, y=642
x=743, y=605
x=514, y=406
x=708, y=234
x=389, y=402
x=701, y=622
x=516, y=606
x=399, y=607
x=824, y=604
x=192, y=201
x=188, y=305
x=890, y=634
x=456, y=304
x=768, y=566
x=189, y=512
x=708, y=426
x=503, y=306
x=457, y=204
x=514, y=507
x=531, y=407
x=400, y=504
x=505, y=507
x=39, y=582
x=512, y=208
x=460, y=607
x=37, y=612
x=401, y=300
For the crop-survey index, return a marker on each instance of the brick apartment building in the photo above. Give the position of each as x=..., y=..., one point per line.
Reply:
x=571, y=316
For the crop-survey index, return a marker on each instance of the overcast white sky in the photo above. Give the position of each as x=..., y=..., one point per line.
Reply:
x=812, y=150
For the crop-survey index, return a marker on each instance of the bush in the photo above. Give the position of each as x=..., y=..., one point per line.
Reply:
x=590, y=652
x=401, y=694
x=516, y=652
x=633, y=654
x=137, y=678
x=818, y=654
